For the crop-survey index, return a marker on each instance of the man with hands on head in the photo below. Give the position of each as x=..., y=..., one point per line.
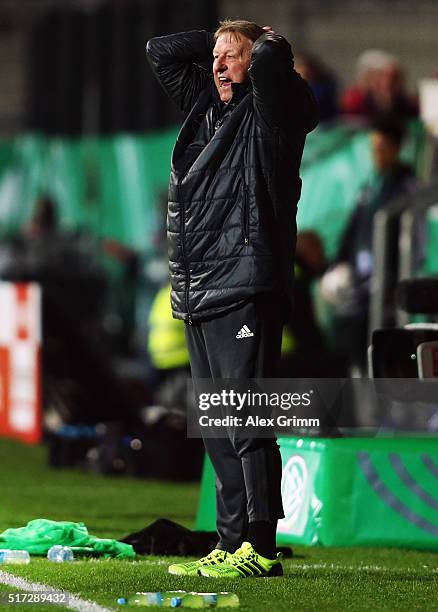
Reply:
x=233, y=194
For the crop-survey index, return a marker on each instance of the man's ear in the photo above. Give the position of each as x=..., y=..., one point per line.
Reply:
x=246, y=48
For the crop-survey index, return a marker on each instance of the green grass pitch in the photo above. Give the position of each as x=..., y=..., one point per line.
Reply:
x=315, y=579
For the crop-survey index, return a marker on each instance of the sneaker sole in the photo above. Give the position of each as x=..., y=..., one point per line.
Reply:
x=275, y=571
x=177, y=573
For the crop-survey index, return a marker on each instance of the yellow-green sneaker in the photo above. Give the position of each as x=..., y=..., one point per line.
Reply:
x=244, y=563
x=191, y=567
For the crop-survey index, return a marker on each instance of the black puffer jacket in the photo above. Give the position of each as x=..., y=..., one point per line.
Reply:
x=234, y=182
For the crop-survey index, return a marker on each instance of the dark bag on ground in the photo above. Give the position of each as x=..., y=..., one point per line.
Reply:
x=164, y=537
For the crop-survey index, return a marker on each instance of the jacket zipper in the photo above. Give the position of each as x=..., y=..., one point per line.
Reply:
x=275, y=173
x=183, y=249
x=245, y=216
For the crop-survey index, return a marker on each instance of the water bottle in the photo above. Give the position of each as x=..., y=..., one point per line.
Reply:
x=206, y=600
x=160, y=598
x=16, y=557
x=195, y=600
x=59, y=554
x=227, y=600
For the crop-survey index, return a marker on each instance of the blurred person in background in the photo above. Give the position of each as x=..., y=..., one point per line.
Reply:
x=323, y=83
x=305, y=352
x=231, y=229
x=380, y=88
x=123, y=268
x=369, y=63
x=167, y=348
x=44, y=219
x=347, y=284
x=64, y=262
x=302, y=337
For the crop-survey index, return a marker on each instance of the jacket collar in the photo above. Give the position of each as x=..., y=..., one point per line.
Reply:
x=239, y=91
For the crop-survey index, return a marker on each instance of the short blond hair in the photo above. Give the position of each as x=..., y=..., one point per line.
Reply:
x=249, y=29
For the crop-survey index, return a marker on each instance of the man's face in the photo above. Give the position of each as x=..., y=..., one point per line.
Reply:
x=232, y=56
x=385, y=152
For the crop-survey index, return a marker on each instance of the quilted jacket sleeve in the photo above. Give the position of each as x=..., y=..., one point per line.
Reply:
x=177, y=61
x=280, y=94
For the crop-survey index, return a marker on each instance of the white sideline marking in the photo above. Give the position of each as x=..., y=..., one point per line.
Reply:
x=367, y=568
x=159, y=562
x=74, y=603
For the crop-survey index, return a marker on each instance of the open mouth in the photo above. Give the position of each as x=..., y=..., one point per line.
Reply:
x=224, y=82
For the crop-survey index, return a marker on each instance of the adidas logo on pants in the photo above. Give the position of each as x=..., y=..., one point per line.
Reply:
x=244, y=332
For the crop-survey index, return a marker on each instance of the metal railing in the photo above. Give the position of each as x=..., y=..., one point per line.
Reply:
x=396, y=228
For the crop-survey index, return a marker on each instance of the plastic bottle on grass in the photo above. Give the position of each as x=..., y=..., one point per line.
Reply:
x=206, y=600
x=16, y=557
x=59, y=554
x=160, y=598
x=227, y=600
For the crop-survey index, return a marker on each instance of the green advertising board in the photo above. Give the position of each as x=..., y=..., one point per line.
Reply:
x=352, y=492
x=115, y=186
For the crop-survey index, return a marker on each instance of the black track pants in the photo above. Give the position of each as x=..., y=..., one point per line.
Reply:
x=248, y=471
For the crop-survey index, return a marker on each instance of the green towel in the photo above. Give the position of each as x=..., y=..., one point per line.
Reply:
x=41, y=534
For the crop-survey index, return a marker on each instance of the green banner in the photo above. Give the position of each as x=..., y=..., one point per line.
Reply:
x=112, y=187
x=352, y=492
x=116, y=186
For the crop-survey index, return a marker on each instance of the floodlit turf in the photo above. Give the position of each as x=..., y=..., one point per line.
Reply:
x=109, y=506
x=316, y=579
